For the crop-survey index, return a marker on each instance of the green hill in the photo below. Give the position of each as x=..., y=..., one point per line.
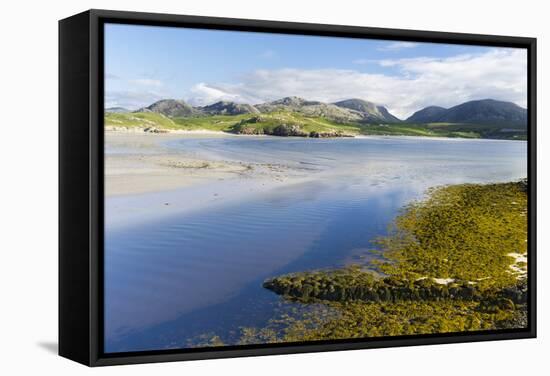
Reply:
x=269, y=123
x=143, y=120
x=290, y=123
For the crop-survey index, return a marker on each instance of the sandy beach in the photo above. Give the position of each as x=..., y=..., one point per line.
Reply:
x=137, y=162
x=146, y=180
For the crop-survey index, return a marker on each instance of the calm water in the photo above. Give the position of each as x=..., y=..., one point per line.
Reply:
x=173, y=278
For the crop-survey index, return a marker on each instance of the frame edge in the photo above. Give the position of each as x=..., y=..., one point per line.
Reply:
x=74, y=247
x=94, y=356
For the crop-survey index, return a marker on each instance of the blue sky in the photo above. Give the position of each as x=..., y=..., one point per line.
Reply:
x=147, y=63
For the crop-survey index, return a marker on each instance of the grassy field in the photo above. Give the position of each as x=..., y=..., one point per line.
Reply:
x=301, y=125
x=139, y=120
x=453, y=262
x=227, y=123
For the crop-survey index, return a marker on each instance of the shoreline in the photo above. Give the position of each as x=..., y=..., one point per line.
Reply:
x=137, y=163
x=229, y=187
x=421, y=276
x=145, y=177
x=155, y=131
x=146, y=180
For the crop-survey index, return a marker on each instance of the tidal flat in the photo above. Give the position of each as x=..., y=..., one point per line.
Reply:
x=196, y=223
x=445, y=267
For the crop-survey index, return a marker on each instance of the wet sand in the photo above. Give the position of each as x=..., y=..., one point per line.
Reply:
x=146, y=180
x=139, y=163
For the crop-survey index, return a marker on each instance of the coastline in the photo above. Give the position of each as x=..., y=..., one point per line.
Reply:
x=145, y=172
x=248, y=209
x=159, y=130
x=150, y=167
x=112, y=129
x=484, y=286
x=146, y=180
x=137, y=162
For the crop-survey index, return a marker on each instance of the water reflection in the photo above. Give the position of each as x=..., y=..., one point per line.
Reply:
x=171, y=278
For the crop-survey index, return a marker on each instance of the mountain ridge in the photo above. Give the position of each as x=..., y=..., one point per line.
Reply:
x=171, y=107
x=229, y=108
x=117, y=110
x=426, y=115
x=353, y=110
x=370, y=111
x=346, y=111
x=482, y=111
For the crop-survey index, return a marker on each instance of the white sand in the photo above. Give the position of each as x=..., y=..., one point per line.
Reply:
x=443, y=281
x=521, y=271
x=130, y=174
x=139, y=130
x=518, y=257
x=146, y=180
x=137, y=162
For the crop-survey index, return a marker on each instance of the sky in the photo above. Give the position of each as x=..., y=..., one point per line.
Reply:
x=144, y=64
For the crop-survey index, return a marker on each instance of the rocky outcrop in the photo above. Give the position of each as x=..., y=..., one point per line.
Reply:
x=369, y=112
x=171, y=108
x=310, y=108
x=155, y=130
x=257, y=125
x=353, y=285
x=315, y=134
x=229, y=108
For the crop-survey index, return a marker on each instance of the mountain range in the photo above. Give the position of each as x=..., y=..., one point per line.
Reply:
x=117, y=110
x=486, y=111
x=347, y=111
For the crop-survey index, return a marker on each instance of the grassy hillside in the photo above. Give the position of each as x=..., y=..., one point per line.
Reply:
x=139, y=120
x=287, y=123
x=294, y=124
x=480, y=130
x=447, y=130
x=245, y=123
x=223, y=123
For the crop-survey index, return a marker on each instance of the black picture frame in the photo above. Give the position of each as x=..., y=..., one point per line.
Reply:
x=81, y=184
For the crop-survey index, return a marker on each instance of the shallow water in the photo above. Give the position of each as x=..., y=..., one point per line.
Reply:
x=172, y=278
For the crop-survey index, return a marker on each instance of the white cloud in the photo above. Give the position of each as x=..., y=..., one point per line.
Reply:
x=397, y=46
x=499, y=74
x=133, y=93
x=131, y=99
x=203, y=94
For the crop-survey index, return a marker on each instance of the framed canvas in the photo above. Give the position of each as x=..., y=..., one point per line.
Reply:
x=234, y=187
